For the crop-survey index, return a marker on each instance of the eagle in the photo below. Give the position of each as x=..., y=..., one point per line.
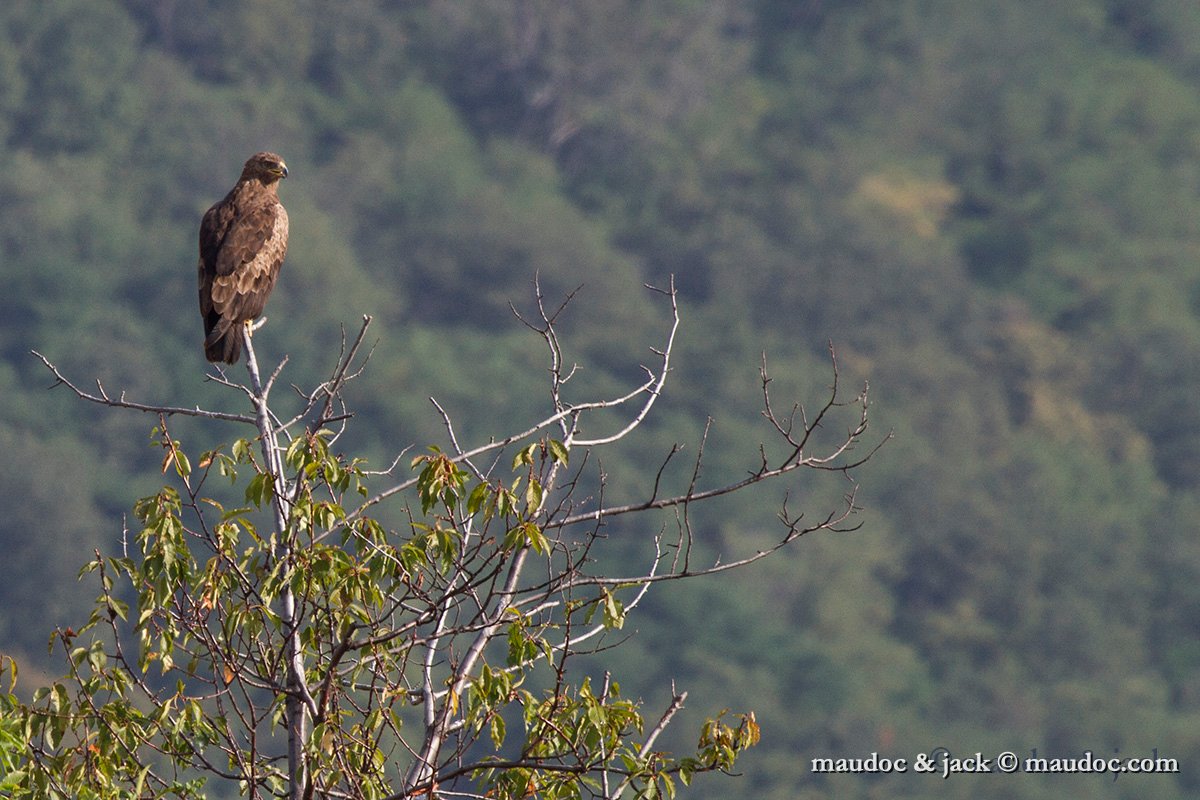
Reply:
x=243, y=240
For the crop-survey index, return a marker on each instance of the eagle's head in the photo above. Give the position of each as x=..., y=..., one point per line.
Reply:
x=266, y=167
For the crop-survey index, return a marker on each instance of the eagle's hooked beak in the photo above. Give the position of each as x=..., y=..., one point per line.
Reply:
x=283, y=173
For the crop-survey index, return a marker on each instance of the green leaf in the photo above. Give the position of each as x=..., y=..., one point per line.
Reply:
x=119, y=607
x=97, y=659
x=440, y=480
x=141, y=781
x=477, y=499
x=261, y=489
x=225, y=466
x=9, y=664
x=525, y=455
x=614, y=611
x=533, y=495
x=527, y=534
x=60, y=701
x=496, y=728
x=242, y=451
x=296, y=454
x=183, y=467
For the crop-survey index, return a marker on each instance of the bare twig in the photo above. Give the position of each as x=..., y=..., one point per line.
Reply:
x=120, y=402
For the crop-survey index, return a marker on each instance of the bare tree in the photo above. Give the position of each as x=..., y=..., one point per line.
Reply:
x=324, y=655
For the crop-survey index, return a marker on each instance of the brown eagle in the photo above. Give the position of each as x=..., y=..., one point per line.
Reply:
x=243, y=240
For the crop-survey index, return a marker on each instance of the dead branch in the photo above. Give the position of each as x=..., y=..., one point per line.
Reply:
x=102, y=398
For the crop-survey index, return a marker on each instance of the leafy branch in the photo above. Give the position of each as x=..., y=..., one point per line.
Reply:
x=299, y=646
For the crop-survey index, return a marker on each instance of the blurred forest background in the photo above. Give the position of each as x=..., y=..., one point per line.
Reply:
x=991, y=209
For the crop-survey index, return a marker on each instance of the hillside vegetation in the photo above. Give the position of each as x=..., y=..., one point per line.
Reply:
x=992, y=210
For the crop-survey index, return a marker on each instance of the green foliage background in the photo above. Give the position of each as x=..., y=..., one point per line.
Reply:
x=991, y=209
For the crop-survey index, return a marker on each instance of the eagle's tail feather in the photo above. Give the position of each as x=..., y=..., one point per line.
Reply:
x=224, y=342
